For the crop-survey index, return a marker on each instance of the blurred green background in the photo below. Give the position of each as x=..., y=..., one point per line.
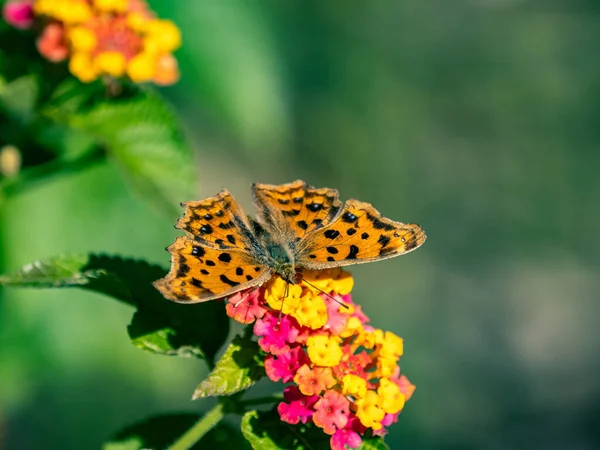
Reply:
x=477, y=119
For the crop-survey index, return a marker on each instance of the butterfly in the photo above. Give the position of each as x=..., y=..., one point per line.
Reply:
x=297, y=227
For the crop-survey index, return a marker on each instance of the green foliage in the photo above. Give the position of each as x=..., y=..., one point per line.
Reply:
x=159, y=432
x=237, y=370
x=265, y=430
x=141, y=135
x=18, y=98
x=158, y=325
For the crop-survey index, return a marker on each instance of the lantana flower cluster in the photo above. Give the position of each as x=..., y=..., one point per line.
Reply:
x=99, y=38
x=343, y=373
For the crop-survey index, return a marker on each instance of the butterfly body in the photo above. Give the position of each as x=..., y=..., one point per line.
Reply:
x=297, y=227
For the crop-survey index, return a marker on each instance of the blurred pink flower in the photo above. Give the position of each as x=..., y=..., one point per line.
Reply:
x=18, y=13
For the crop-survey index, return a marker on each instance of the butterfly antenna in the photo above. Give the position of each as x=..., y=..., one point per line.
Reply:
x=323, y=292
x=244, y=297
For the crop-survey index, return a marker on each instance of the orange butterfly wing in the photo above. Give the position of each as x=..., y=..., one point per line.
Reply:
x=219, y=256
x=358, y=235
x=218, y=221
x=200, y=273
x=295, y=207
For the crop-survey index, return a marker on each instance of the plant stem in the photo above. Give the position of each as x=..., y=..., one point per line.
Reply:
x=29, y=177
x=203, y=426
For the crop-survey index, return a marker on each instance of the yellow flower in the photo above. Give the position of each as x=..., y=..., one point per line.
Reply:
x=369, y=411
x=82, y=67
x=137, y=21
x=390, y=397
x=343, y=283
x=112, y=63
x=353, y=327
x=82, y=39
x=369, y=339
x=72, y=11
x=311, y=311
x=385, y=367
x=141, y=67
x=162, y=36
x=392, y=346
x=324, y=350
x=274, y=295
x=354, y=385
x=111, y=5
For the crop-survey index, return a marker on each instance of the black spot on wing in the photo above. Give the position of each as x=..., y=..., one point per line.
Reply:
x=330, y=258
x=383, y=240
x=249, y=277
x=365, y=236
x=350, y=231
x=225, y=257
x=332, y=250
x=348, y=217
x=220, y=242
x=298, y=199
x=231, y=238
x=210, y=263
x=226, y=226
x=204, y=272
x=198, y=251
x=314, y=207
x=411, y=243
x=206, y=229
x=196, y=282
x=226, y=280
x=291, y=213
x=182, y=270
x=302, y=224
x=353, y=252
x=219, y=213
x=378, y=224
x=331, y=234
x=239, y=271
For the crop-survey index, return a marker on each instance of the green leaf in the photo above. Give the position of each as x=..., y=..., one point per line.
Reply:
x=373, y=443
x=159, y=432
x=18, y=98
x=266, y=431
x=142, y=136
x=68, y=271
x=237, y=370
x=158, y=325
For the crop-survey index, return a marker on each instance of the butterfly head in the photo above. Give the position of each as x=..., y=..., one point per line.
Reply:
x=282, y=262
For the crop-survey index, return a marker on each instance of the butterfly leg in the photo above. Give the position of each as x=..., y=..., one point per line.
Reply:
x=285, y=294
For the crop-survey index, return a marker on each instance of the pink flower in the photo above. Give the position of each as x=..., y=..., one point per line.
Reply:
x=277, y=332
x=52, y=43
x=388, y=420
x=336, y=319
x=19, y=14
x=300, y=407
x=345, y=438
x=250, y=306
x=284, y=366
x=331, y=412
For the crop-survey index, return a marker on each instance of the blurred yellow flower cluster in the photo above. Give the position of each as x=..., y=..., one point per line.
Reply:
x=114, y=38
